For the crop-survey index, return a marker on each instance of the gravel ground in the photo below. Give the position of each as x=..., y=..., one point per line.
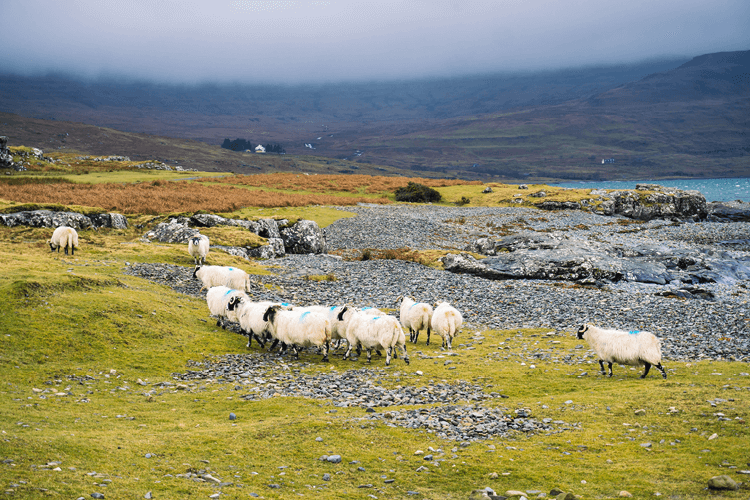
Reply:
x=690, y=329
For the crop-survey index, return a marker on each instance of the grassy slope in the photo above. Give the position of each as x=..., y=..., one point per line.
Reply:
x=76, y=316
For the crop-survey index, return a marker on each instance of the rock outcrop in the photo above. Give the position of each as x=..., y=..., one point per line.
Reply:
x=48, y=218
x=6, y=157
x=662, y=203
x=556, y=256
x=302, y=237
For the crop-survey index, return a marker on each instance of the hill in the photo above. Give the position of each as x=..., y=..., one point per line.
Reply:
x=665, y=119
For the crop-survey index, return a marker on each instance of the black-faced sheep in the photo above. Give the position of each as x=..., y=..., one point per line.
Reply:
x=198, y=247
x=64, y=237
x=625, y=348
x=299, y=328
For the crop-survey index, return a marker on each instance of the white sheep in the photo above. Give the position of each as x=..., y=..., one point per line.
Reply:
x=446, y=321
x=299, y=328
x=625, y=348
x=415, y=316
x=198, y=247
x=339, y=317
x=231, y=277
x=250, y=317
x=64, y=237
x=217, y=299
x=375, y=331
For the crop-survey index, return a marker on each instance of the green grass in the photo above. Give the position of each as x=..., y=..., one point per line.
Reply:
x=80, y=327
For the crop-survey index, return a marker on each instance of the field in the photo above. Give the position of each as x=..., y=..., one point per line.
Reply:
x=86, y=353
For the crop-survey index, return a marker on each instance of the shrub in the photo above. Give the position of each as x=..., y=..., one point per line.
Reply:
x=417, y=193
x=463, y=201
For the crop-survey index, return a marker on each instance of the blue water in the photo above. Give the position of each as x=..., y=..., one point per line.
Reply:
x=713, y=189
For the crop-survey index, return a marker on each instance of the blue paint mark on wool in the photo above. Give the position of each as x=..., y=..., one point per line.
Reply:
x=285, y=304
x=231, y=269
x=228, y=292
x=302, y=318
x=634, y=332
x=374, y=318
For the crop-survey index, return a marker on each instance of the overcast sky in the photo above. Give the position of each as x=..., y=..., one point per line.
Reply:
x=246, y=41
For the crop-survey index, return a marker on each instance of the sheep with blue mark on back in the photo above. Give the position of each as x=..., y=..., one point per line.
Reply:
x=198, y=246
x=626, y=348
x=299, y=328
x=446, y=321
x=231, y=277
x=250, y=317
x=415, y=316
x=64, y=237
x=217, y=299
x=374, y=331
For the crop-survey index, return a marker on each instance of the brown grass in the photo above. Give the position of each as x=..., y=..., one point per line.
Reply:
x=325, y=183
x=160, y=197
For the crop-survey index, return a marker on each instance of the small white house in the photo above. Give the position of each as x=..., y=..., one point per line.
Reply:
x=260, y=149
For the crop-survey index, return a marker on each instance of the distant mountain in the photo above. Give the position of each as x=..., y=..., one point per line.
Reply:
x=667, y=119
x=721, y=75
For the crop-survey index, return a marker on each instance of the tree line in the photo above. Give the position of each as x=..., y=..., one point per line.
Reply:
x=243, y=145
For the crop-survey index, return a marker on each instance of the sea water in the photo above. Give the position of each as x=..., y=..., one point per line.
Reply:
x=730, y=189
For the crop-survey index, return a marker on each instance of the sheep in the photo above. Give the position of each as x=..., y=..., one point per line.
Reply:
x=373, y=331
x=415, y=316
x=625, y=348
x=250, y=317
x=64, y=237
x=446, y=321
x=303, y=328
x=217, y=299
x=198, y=246
x=231, y=277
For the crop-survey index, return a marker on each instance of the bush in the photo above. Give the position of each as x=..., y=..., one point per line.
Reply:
x=417, y=193
x=463, y=201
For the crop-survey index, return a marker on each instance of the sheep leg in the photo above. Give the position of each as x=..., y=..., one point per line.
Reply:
x=273, y=345
x=377, y=351
x=326, y=347
x=295, y=352
x=610, y=368
x=348, y=351
x=413, y=335
x=388, y=356
x=369, y=354
x=405, y=356
x=601, y=364
x=428, y=334
x=645, y=372
x=661, y=369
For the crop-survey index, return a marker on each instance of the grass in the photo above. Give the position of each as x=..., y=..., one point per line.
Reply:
x=78, y=337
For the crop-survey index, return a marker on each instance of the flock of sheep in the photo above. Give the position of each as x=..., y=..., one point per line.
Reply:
x=368, y=328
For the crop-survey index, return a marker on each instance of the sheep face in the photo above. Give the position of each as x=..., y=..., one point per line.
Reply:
x=270, y=314
x=581, y=330
x=234, y=302
x=53, y=247
x=195, y=271
x=340, y=317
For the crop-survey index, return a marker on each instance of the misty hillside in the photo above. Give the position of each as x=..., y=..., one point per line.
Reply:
x=688, y=119
x=212, y=113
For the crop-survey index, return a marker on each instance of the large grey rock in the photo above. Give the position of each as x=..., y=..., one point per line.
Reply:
x=113, y=220
x=723, y=482
x=664, y=203
x=208, y=220
x=555, y=256
x=269, y=228
x=304, y=237
x=173, y=231
x=48, y=218
x=729, y=212
x=274, y=248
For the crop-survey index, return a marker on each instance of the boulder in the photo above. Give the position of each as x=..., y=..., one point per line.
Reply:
x=269, y=228
x=274, y=248
x=174, y=231
x=729, y=212
x=555, y=256
x=488, y=189
x=559, y=205
x=304, y=237
x=48, y=218
x=722, y=482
